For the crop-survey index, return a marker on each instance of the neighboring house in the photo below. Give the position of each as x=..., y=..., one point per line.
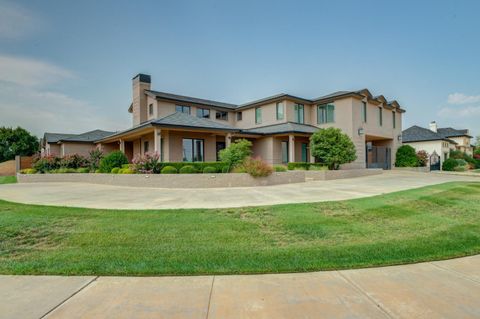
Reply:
x=182, y=128
x=438, y=140
x=58, y=144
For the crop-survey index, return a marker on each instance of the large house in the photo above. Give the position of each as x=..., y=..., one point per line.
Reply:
x=182, y=128
x=438, y=140
x=60, y=144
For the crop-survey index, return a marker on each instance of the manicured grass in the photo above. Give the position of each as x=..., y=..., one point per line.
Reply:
x=8, y=179
x=430, y=223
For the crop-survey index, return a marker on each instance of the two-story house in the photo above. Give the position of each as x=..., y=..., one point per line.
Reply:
x=182, y=128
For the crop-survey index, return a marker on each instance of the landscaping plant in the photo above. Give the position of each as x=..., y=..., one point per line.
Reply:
x=112, y=160
x=73, y=161
x=187, y=169
x=236, y=153
x=149, y=163
x=449, y=164
x=46, y=164
x=169, y=170
x=332, y=147
x=422, y=158
x=406, y=157
x=16, y=141
x=94, y=158
x=256, y=167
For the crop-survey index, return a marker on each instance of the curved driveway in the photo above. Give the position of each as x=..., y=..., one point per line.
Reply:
x=120, y=197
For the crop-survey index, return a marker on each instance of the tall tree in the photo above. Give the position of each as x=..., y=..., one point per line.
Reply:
x=16, y=141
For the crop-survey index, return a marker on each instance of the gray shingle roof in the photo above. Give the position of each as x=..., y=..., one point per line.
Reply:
x=55, y=137
x=451, y=132
x=186, y=120
x=418, y=134
x=88, y=137
x=176, y=97
x=288, y=127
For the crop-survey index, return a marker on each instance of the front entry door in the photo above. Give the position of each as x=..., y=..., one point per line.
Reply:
x=220, y=146
x=435, y=162
x=378, y=156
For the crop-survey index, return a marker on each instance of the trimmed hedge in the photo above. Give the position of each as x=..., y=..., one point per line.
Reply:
x=198, y=166
x=280, y=168
x=305, y=166
x=188, y=169
x=209, y=170
x=169, y=170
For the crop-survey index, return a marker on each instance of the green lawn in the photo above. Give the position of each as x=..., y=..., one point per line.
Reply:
x=8, y=179
x=430, y=223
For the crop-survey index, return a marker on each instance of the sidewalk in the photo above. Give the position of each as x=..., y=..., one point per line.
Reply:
x=443, y=289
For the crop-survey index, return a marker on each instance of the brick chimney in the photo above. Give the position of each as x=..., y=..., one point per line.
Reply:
x=140, y=83
x=433, y=126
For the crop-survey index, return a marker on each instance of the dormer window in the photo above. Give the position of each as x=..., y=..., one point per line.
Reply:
x=203, y=113
x=299, y=113
x=150, y=109
x=182, y=109
x=221, y=115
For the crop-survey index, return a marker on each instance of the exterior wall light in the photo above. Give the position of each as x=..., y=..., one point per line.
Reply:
x=399, y=137
x=361, y=131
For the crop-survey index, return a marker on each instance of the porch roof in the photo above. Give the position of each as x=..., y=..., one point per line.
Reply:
x=288, y=127
x=87, y=137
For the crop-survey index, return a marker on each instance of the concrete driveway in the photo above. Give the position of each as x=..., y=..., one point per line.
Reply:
x=443, y=289
x=120, y=197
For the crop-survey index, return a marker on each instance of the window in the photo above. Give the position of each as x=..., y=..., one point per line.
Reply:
x=203, y=113
x=284, y=152
x=239, y=116
x=394, y=120
x=325, y=113
x=258, y=115
x=150, y=109
x=192, y=150
x=221, y=115
x=280, y=111
x=380, y=116
x=299, y=113
x=364, y=112
x=182, y=109
x=145, y=147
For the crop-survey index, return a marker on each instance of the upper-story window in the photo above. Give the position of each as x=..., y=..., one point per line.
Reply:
x=203, y=113
x=299, y=113
x=394, y=120
x=364, y=112
x=280, y=111
x=325, y=113
x=182, y=109
x=258, y=115
x=380, y=116
x=239, y=116
x=221, y=115
x=150, y=109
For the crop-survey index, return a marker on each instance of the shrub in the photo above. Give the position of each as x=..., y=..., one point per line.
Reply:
x=256, y=167
x=28, y=171
x=149, y=163
x=188, y=169
x=449, y=164
x=73, y=161
x=226, y=169
x=209, y=170
x=126, y=170
x=236, y=153
x=298, y=166
x=47, y=163
x=332, y=147
x=97, y=171
x=94, y=158
x=238, y=169
x=64, y=170
x=456, y=154
x=115, y=170
x=422, y=158
x=406, y=157
x=83, y=170
x=169, y=170
x=316, y=167
x=279, y=168
x=112, y=160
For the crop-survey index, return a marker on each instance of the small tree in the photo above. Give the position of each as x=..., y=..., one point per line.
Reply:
x=236, y=153
x=113, y=160
x=406, y=157
x=332, y=147
x=16, y=142
x=422, y=158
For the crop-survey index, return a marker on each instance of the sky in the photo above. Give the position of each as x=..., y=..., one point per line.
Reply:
x=66, y=66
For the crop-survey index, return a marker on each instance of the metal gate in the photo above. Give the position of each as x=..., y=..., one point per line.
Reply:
x=378, y=156
x=435, y=161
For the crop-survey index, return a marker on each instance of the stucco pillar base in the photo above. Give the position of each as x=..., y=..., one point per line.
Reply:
x=291, y=148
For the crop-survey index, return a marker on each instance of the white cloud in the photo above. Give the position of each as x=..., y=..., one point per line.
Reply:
x=463, y=112
x=460, y=98
x=29, y=72
x=16, y=21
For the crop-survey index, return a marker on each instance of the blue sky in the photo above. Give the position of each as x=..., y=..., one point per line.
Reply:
x=66, y=66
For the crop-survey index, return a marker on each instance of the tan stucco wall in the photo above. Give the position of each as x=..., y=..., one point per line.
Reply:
x=442, y=148
x=76, y=148
x=269, y=116
x=263, y=148
x=139, y=101
x=176, y=145
x=52, y=149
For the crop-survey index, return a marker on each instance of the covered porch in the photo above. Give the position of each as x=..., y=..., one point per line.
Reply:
x=378, y=152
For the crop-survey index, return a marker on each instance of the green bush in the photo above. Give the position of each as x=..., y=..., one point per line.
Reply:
x=236, y=153
x=187, y=169
x=169, y=170
x=112, y=160
x=332, y=147
x=317, y=167
x=126, y=170
x=199, y=166
x=256, y=167
x=115, y=170
x=83, y=170
x=279, y=168
x=209, y=170
x=28, y=171
x=64, y=170
x=449, y=164
x=97, y=171
x=238, y=169
x=94, y=158
x=303, y=166
x=226, y=169
x=46, y=164
x=73, y=161
x=406, y=157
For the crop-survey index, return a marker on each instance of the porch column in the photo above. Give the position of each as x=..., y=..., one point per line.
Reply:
x=228, y=139
x=311, y=157
x=291, y=148
x=122, y=146
x=157, y=140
